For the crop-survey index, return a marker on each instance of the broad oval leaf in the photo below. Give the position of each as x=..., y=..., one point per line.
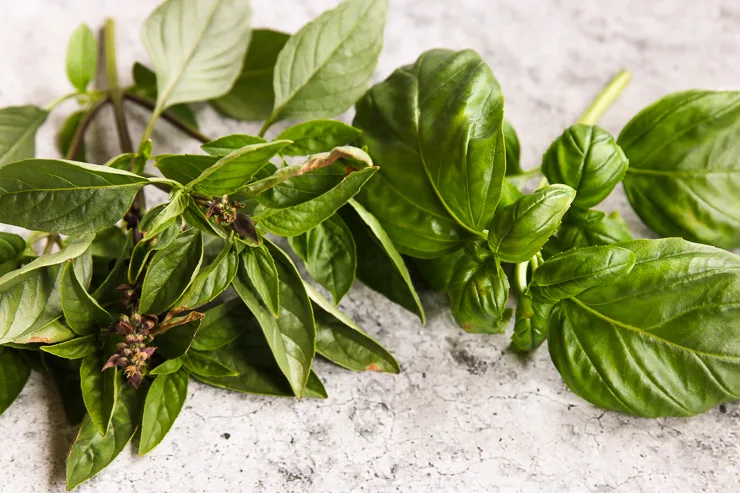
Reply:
x=292, y=335
x=663, y=340
x=315, y=136
x=66, y=376
x=435, y=128
x=18, y=138
x=330, y=256
x=82, y=57
x=196, y=47
x=91, y=452
x=81, y=312
x=65, y=196
x=252, y=96
x=76, y=348
x=341, y=341
x=14, y=372
x=164, y=401
x=379, y=265
x=211, y=281
x=297, y=219
x=338, y=52
x=479, y=290
x=99, y=390
x=684, y=173
x=171, y=271
x=588, y=228
x=570, y=273
x=520, y=230
x=223, y=146
x=587, y=159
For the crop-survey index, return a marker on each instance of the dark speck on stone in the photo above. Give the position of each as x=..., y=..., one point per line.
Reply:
x=723, y=408
x=226, y=436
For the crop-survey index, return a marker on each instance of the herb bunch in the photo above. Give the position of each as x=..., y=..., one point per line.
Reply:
x=125, y=303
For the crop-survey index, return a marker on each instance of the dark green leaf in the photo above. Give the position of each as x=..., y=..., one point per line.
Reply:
x=81, y=312
x=14, y=372
x=169, y=366
x=509, y=194
x=66, y=135
x=212, y=39
x=163, y=403
x=205, y=366
x=99, y=390
x=436, y=128
x=171, y=271
x=211, y=281
x=258, y=273
x=66, y=376
x=224, y=146
x=76, y=348
x=589, y=228
x=252, y=96
x=222, y=325
x=18, y=137
x=338, y=52
x=379, y=265
x=513, y=149
x=82, y=57
x=64, y=196
x=295, y=220
x=91, y=452
x=530, y=329
x=329, y=253
x=317, y=136
x=302, y=188
x=176, y=341
x=109, y=243
x=12, y=247
x=587, y=159
x=520, y=230
x=184, y=168
x=684, y=173
x=291, y=335
x=106, y=292
x=341, y=341
x=438, y=272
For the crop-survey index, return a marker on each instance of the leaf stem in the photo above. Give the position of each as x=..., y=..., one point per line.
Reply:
x=607, y=97
x=265, y=126
x=167, y=116
x=60, y=100
x=79, y=135
x=111, y=75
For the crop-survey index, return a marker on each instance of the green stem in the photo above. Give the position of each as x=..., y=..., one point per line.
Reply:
x=265, y=126
x=168, y=117
x=111, y=74
x=79, y=136
x=602, y=102
x=521, y=277
x=60, y=100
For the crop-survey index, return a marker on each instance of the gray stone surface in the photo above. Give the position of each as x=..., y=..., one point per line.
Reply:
x=464, y=415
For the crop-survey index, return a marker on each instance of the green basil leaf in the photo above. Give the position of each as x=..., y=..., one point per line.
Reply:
x=509, y=194
x=589, y=228
x=479, y=290
x=569, y=274
x=171, y=271
x=341, y=341
x=329, y=253
x=66, y=135
x=76, y=348
x=660, y=341
x=14, y=372
x=222, y=325
x=64, y=196
x=108, y=243
x=81, y=312
x=169, y=366
x=52, y=333
x=91, y=452
x=30, y=297
x=82, y=57
x=317, y=136
x=530, y=329
x=163, y=403
x=205, y=366
x=437, y=272
x=18, y=138
x=338, y=52
x=587, y=159
x=291, y=335
x=295, y=220
x=520, y=230
x=146, y=85
x=302, y=188
x=212, y=40
x=443, y=155
x=177, y=341
x=144, y=248
x=252, y=96
x=12, y=247
x=211, y=281
x=684, y=173
x=258, y=273
x=513, y=149
x=236, y=169
x=66, y=376
x=224, y=146
x=184, y=168
x=170, y=211
x=379, y=265
x=99, y=391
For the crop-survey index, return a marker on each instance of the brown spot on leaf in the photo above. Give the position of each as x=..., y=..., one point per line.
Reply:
x=41, y=339
x=372, y=367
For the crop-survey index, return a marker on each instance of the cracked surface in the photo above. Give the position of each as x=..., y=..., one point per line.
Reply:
x=464, y=415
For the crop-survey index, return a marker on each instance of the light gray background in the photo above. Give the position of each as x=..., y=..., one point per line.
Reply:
x=464, y=415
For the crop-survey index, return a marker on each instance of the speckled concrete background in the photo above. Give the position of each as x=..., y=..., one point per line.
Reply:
x=464, y=415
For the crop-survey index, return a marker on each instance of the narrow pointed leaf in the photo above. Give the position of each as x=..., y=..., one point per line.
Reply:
x=205, y=366
x=169, y=366
x=82, y=57
x=99, y=390
x=76, y=348
x=211, y=281
x=81, y=312
x=163, y=403
x=259, y=273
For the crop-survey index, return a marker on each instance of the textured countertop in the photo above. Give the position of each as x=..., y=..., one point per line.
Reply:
x=464, y=415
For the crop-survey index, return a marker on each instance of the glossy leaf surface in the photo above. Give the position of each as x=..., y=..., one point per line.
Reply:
x=316, y=136
x=81, y=312
x=99, y=391
x=164, y=400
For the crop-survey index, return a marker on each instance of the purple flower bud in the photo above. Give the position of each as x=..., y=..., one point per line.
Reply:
x=111, y=362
